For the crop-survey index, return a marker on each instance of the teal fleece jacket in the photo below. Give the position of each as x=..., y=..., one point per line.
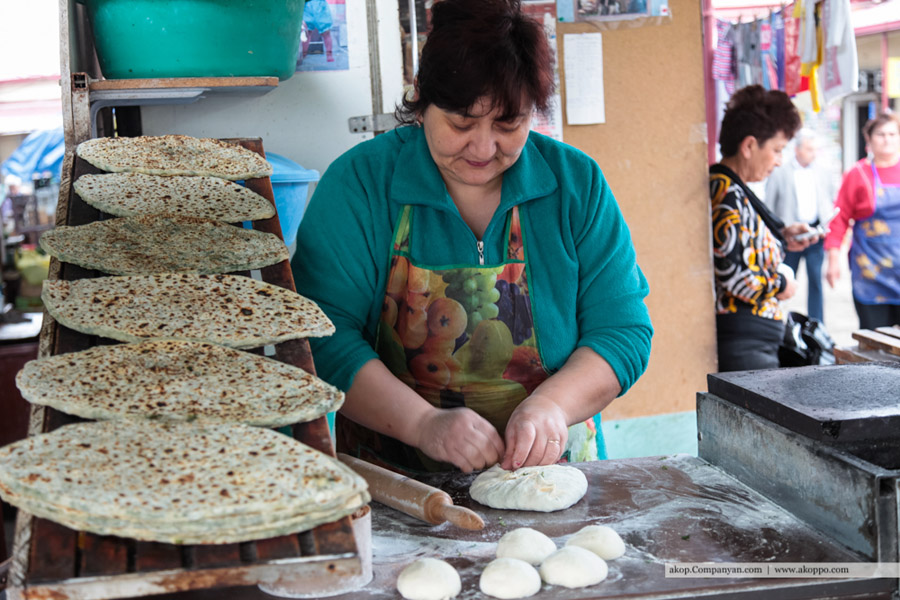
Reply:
x=587, y=289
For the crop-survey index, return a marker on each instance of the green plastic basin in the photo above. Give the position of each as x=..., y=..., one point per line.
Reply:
x=196, y=38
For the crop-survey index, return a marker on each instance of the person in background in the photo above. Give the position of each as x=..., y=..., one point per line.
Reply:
x=481, y=278
x=799, y=191
x=870, y=195
x=317, y=17
x=749, y=241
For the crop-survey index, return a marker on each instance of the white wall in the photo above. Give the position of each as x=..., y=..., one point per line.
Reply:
x=305, y=117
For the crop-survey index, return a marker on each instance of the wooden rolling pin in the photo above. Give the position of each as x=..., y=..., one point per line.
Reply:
x=412, y=497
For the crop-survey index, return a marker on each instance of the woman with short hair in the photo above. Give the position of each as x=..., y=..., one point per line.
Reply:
x=480, y=276
x=749, y=241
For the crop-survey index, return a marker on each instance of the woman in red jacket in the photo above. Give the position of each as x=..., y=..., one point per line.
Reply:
x=870, y=195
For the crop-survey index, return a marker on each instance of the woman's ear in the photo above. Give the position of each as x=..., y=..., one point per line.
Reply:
x=747, y=145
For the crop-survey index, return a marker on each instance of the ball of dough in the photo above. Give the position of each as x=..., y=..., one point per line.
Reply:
x=599, y=539
x=547, y=488
x=509, y=578
x=526, y=544
x=573, y=567
x=429, y=579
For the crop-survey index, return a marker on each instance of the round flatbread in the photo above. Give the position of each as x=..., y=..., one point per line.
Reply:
x=177, y=381
x=137, y=194
x=230, y=310
x=173, y=155
x=164, y=244
x=177, y=482
x=547, y=488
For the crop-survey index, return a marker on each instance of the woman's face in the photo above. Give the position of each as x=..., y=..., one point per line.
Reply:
x=764, y=158
x=474, y=150
x=885, y=141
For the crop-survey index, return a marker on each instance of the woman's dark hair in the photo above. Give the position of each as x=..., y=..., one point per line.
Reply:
x=882, y=119
x=481, y=48
x=755, y=111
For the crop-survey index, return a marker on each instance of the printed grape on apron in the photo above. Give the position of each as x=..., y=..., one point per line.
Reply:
x=875, y=252
x=459, y=335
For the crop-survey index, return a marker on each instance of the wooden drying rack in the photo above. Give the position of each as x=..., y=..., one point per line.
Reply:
x=53, y=561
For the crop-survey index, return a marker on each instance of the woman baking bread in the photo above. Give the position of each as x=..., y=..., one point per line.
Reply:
x=480, y=276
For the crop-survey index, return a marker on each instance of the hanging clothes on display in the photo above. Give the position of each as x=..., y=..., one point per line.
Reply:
x=778, y=48
x=840, y=66
x=723, y=55
x=792, y=78
x=811, y=46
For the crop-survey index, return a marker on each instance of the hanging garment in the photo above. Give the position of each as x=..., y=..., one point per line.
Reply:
x=489, y=364
x=723, y=55
x=777, y=52
x=811, y=50
x=840, y=63
x=875, y=252
x=791, y=54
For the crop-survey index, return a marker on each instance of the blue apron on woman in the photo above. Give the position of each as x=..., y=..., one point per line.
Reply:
x=875, y=253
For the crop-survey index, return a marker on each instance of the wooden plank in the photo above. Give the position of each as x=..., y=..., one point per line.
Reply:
x=285, y=546
x=872, y=340
x=183, y=82
x=892, y=331
x=154, y=556
x=334, y=538
x=52, y=553
x=217, y=555
x=102, y=555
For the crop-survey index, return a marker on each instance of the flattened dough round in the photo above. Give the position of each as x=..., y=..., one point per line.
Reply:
x=527, y=544
x=599, y=539
x=429, y=579
x=573, y=567
x=548, y=488
x=509, y=578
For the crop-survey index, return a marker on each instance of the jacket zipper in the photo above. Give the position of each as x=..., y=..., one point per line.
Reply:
x=480, y=245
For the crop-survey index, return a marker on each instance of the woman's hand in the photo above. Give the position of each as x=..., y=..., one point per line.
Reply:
x=791, y=232
x=789, y=290
x=461, y=437
x=536, y=433
x=833, y=272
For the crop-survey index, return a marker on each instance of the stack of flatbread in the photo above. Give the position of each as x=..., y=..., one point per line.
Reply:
x=177, y=381
x=173, y=457
x=177, y=483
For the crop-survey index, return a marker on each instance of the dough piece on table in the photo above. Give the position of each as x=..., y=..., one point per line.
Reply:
x=527, y=544
x=547, y=488
x=573, y=567
x=429, y=579
x=599, y=539
x=509, y=578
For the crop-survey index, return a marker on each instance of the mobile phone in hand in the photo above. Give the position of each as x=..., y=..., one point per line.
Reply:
x=820, y=229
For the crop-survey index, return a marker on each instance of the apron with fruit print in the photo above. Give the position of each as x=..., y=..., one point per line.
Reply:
x=461, y=335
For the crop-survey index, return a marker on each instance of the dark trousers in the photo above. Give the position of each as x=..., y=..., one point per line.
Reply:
x=815, y=256
x=748, y=344
x=877, y=315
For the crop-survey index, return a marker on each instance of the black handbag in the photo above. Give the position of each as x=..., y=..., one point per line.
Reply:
x=806, y=342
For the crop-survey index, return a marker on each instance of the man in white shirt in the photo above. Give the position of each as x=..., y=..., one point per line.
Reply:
x=798, y=191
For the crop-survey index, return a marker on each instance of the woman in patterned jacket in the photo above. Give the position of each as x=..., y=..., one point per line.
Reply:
x=749, y=242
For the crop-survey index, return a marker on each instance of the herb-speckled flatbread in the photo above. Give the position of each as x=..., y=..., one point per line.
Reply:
x=173, y=155
x=136, y=194
x=164, y=244
x=179, y=381
x=177, y=482
x=230, y=310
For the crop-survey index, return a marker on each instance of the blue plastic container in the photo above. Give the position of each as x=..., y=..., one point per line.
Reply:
x=290, y=186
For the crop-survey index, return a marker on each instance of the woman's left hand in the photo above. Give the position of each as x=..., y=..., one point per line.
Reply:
x=536, y=434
